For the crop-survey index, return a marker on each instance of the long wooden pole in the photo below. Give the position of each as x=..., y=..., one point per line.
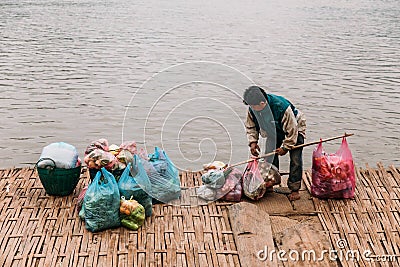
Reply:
x=295, y=147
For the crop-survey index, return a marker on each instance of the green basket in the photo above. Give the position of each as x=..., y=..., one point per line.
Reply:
x=57, y=181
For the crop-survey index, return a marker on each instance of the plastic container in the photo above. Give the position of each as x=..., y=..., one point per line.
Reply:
x=58, y=181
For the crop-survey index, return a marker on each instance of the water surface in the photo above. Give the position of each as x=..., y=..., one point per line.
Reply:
x=68, y=70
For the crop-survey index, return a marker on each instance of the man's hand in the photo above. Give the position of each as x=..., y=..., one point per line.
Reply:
x=254, y=149
x=280, y=151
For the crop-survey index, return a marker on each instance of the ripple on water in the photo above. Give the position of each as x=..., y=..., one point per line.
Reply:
x=69, y=68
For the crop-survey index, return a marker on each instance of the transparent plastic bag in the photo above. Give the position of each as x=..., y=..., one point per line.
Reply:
x=206, y=193
x=135, y=183
x=64, y=155
x=132, y=214
x=333, y=175
x=101, y=203
x=254, y=186
x=269, y=173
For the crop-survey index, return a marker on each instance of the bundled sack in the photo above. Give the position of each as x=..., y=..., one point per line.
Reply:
x=63, y=155
x=129, y=146
x=101, y=203
x=132, y=214
x=235, y=195
x=98, y=159
x=257, y=177
x=163, y=175
x=333, y=174
x=134, y=183
x=124, y=156
x=114, y=149
x=233, y=181
x=101, y=144
x=221, y=184
x=213, y=181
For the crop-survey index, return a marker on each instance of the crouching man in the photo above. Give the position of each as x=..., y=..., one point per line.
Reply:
x=284, y=126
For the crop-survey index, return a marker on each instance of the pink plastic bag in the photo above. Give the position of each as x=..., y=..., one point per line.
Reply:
x=333, y=174
x=233, y=180
x=254, y=185
x=130, y=146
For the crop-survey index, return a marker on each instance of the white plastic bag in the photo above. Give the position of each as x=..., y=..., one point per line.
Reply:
x=64, y=155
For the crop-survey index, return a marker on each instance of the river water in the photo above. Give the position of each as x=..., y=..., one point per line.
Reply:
x=171, y=73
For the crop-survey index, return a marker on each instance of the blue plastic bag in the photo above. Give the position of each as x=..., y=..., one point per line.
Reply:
x=135, y=183
x=164, y=177
x=100, y=208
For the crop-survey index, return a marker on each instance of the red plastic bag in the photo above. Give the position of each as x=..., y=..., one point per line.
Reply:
x=254, y=186
x=333, y=174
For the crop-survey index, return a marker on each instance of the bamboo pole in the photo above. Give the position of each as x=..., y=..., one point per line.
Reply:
x=295, y=147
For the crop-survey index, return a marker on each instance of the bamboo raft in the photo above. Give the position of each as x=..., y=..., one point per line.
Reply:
x=41, y=230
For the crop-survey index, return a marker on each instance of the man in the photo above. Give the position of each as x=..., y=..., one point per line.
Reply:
x=284, y=126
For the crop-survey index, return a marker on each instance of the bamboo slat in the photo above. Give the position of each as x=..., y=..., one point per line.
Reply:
x=370, y=221
x=42, y=230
